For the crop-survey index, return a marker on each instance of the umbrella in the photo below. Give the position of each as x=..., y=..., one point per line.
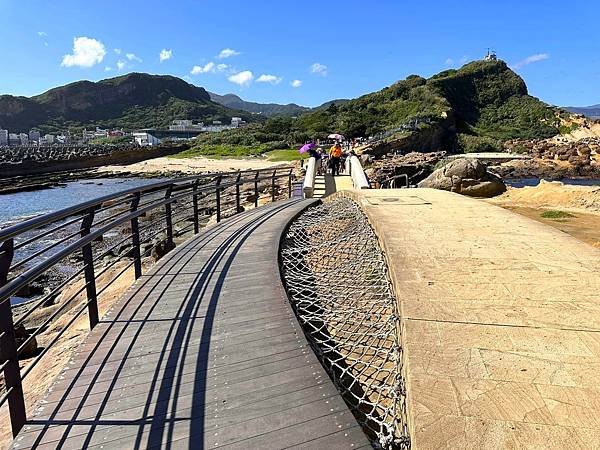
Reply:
x=337, y=137
x=306, y=147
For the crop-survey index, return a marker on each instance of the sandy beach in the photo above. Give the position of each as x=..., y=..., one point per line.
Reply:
x=581, y=203
x=191, y=165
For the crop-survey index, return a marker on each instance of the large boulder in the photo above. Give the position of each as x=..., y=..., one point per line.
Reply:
x=467, y=176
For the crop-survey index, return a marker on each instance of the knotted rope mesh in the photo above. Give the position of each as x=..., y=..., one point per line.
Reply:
x=336, y=279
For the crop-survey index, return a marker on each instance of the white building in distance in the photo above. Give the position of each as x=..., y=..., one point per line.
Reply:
x=14, y=139
x=34, y=136
x=144, y=139
x=3, y=137
x=185, y=125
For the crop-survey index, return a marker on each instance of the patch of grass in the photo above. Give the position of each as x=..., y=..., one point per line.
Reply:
x=555, y=215
x=290, y=154
x=222, y=151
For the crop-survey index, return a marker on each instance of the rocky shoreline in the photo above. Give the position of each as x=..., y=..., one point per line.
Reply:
x=28, y=161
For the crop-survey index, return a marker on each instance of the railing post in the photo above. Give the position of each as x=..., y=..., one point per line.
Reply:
x=169, y=217
x=256, y=188
x=237, y=193
x=195, y=202
x=218, y=197
x=135, y=236
x=90, y=276
x=8, y=347
x=290, y=183
x=273, y=185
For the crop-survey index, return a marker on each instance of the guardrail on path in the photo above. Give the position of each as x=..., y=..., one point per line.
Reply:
x=85, y=232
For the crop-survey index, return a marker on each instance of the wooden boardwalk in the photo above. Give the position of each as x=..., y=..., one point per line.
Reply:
x=202, y=352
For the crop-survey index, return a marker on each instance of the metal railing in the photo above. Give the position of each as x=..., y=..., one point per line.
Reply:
x=394, y=182
x=71, y=248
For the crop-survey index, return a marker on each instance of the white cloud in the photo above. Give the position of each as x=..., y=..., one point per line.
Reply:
x=296, y=83
x=133, y=57
x=42, y=33
x=531, y=59
x=117, y=51
x=87, y=52
x=319, y=69
x=208, y=67
x=242, y=78
x=222, y=67
x=121, y=65
x=265, y=78
x=227, y=52
x=165, y=54
x=449, y=62
x=108, y=69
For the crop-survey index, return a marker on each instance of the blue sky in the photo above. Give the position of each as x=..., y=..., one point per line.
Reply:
x=304, y=52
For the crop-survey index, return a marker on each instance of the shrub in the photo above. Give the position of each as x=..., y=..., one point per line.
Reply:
x=477, y=144
x=555, y=214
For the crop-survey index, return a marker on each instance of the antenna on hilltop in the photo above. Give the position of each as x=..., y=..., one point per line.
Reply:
x=491, y=55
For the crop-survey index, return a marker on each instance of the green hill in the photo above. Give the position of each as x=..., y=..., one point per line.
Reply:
x=131, y=101
x=593, y=112
x=484, y=98
x=472, y=108
x=265, y=109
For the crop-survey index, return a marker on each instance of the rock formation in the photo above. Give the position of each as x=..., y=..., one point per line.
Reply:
x=467, y=177
x=417, y=166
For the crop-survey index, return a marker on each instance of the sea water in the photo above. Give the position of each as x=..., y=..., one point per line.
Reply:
x=523, y=182
x=19, y=206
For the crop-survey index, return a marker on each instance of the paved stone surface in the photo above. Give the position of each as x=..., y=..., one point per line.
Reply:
x=501, y=323
x=204, y=351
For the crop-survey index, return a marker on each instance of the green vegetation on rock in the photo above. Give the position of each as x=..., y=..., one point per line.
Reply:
x=472, y=109
x=556, y=214
x=467, y=143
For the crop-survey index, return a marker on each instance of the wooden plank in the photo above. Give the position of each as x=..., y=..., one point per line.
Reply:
x=204, y=343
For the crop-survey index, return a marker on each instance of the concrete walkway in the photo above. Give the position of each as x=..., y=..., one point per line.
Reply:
x=501, y=323
x=328, y=184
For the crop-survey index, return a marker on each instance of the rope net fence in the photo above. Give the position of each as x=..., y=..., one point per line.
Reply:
x=336, y=279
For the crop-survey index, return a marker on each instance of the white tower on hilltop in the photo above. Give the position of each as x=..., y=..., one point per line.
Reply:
x=490, y=56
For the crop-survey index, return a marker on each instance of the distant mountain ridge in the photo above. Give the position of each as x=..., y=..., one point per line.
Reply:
x=135, y=100
x=593, y=112
x=265, y=109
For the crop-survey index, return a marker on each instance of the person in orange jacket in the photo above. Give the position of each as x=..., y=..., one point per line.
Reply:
x=335, y=155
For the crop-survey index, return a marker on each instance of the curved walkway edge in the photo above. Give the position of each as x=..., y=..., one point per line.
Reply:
x=500, y=322
x=204, y=351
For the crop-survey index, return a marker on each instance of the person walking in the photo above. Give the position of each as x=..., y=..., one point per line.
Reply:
x=335, y=155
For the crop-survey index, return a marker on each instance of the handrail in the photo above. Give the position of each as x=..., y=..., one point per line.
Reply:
x=355, y=169
x=390, y=183
x=308, y=186
x=165, y=205
x=36, y=222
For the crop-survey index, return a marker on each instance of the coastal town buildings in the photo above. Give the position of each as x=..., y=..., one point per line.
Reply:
x=186, y=125
x=14, y=139
x=34, y=136
x=180, y=129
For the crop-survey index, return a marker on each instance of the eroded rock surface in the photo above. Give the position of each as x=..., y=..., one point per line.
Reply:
x=467, y=177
